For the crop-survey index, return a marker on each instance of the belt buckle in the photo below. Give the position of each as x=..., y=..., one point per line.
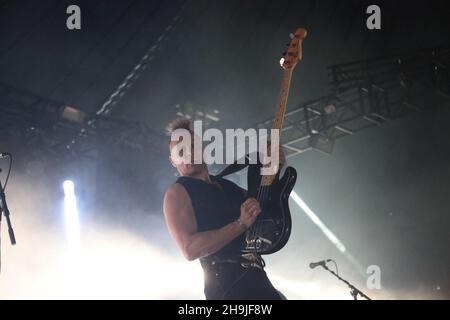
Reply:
x=251, y=261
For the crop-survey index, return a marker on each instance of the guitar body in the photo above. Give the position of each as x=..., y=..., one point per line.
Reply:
x=273, y=227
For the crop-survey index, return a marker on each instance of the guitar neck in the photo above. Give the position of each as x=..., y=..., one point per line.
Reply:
x=267, y=180
x=282, y=101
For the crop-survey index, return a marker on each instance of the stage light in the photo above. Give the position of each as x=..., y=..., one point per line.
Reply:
x=69, y=188
x=329, y=109
x=194, y=111
x=330, y=235
x=321, y=143
x=73, y=114
x=71, y=216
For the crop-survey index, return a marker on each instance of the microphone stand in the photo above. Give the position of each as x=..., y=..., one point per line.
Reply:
x=353, y=290
x=4, y=209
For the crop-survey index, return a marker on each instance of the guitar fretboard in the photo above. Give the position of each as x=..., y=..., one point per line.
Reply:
x=267, y=180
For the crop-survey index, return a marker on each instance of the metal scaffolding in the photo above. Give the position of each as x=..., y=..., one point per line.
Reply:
x=41, y=123
x=365, y=94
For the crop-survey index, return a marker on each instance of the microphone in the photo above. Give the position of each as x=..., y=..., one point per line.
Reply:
x=322, y=263
x=4, y=155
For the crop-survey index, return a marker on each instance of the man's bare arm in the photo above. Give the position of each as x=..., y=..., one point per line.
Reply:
x=180, y=219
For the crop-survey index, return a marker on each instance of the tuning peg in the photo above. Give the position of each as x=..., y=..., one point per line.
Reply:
x=291, y=35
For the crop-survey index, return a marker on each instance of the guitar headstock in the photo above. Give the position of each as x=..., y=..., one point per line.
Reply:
x=293, y=54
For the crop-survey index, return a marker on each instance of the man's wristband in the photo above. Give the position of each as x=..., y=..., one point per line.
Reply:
x=242, y=225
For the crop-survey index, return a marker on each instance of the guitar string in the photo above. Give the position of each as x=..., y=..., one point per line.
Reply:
x=264, y=193
x=254, y=230
x=262, y=197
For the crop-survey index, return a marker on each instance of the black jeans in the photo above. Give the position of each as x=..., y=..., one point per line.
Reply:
x=231, y=281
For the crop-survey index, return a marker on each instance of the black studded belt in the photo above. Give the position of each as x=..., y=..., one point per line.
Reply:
x=246, y=260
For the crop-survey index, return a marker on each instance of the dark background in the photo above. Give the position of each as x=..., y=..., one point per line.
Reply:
x=384, y=192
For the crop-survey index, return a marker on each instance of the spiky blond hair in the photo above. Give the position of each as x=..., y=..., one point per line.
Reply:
x=179, y=123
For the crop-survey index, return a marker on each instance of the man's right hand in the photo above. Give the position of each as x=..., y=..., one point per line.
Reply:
x=250, y=210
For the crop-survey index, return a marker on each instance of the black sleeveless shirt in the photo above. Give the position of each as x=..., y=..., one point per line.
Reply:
x=216, y=205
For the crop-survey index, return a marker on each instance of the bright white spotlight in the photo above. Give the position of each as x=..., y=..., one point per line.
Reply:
x=69, y=188
x=330, y=235
x=71, y=216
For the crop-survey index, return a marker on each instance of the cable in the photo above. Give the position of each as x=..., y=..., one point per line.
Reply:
x=234, y=283
x=335, y=264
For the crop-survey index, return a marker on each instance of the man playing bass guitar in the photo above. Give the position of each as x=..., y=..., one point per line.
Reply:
x=222, y=225
x=208, y=217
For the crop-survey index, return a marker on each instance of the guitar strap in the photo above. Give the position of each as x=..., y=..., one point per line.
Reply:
x=253, y=173
x=239, y=165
